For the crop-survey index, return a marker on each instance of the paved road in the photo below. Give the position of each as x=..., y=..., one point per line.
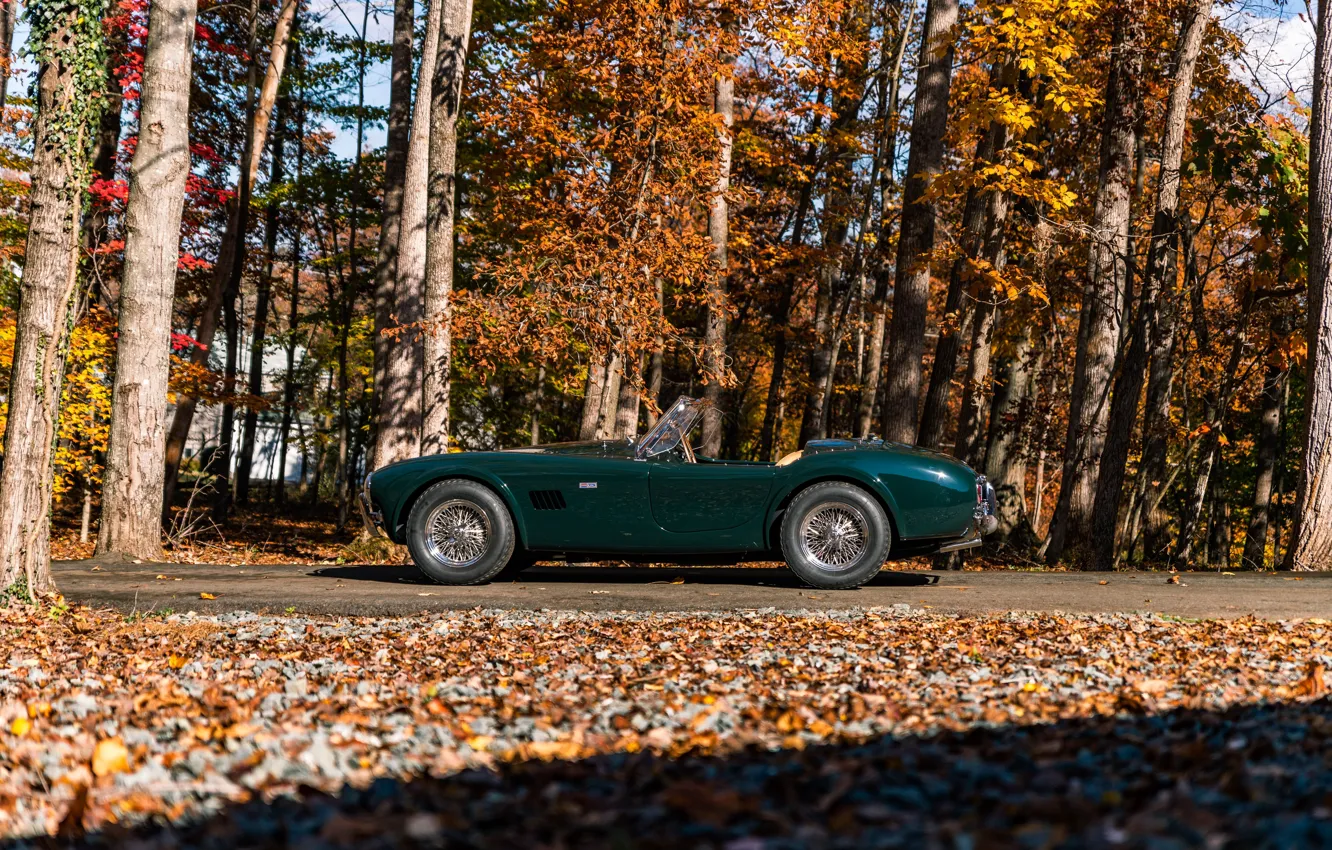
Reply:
x=380, y=591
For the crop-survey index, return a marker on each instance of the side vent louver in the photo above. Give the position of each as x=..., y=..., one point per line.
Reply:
x=547, y=500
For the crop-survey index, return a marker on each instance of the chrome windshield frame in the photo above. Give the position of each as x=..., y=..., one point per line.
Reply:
x=673, y=427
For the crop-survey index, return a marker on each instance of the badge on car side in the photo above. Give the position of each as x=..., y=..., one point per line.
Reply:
x=587, y=485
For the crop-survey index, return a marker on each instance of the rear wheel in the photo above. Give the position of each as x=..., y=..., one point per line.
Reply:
x=835, y=535
x=460, y=532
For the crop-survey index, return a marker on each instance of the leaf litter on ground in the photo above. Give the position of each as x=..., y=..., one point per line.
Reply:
x=893, y=727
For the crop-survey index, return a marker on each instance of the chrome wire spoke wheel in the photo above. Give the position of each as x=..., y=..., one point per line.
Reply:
x=458, y=533
x=834, y=535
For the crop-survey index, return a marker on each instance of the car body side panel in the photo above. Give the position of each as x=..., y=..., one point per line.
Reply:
x=601, y=500
x=701, y=497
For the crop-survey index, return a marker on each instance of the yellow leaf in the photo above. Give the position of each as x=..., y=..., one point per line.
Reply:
x=175, y=662
x=20, y=726
x=110, y=756
x=207, y=596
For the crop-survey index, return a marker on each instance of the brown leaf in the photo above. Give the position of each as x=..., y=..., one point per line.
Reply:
x=1314, y=683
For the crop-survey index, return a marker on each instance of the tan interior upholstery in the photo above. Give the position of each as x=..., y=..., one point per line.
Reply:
x=791, y=458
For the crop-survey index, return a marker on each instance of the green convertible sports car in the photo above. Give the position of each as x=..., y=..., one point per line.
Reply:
x=834, y=511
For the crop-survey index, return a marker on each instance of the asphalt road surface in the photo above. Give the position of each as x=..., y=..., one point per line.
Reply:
x=387, y=591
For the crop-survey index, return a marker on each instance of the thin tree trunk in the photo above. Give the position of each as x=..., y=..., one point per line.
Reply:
x=906, y=338
x=1098, y=326
x=656, y=362
x=263, y=291
x=132, y=489
x=401, y=399
x=293, y=314
x=346, y=466
x=958, y=309
x=714, y=328
x=1312, y=549
x=446, y=99
x=231, y=253
x=1102, y=552
x=1267, y=444
x=390, y=226
x=8, y=18
x=770, y=432
x=1218, y=529
x=538, y=396
x=47, y=309
x=890, y=84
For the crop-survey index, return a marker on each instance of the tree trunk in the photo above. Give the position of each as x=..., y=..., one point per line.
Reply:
x=1102, y=553
x=231, y=253
x=906, y=338
x=8, y=18
x=132, y=489
x=958, y=309
x=975, y=385
x=1267, y=442
x=610, y=399
x=1005, y=458
x=390, y=226
x=446, y=98
x=626, y=409
x=595, y=388
x=770, y=431
x=890, y=84
x=714, y=329
x=402, y=395
x=47, y=308
x=1312, y=549
x=1218, y=527
x=263, y=292
x=1098, y=326
x=293, y=318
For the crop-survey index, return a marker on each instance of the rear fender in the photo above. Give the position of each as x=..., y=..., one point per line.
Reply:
x=786, y=490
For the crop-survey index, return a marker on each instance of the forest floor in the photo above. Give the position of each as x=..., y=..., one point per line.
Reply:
x=742, y=730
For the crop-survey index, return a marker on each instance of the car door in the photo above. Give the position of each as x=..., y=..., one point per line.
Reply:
x=585, y=504
x=708, y=496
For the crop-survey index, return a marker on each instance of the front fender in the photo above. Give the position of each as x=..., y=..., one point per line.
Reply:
x=395, y=488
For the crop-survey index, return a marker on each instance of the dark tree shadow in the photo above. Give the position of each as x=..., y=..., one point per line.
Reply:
x=1250, y=777
x=770, y=577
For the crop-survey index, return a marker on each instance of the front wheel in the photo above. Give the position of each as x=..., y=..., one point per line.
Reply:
x=835, y=535
x=460, y=532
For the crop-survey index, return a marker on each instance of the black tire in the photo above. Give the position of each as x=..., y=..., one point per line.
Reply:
x=854, y=541
x=471, y=523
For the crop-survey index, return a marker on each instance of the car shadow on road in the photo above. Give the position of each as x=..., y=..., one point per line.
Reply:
x=755, y=576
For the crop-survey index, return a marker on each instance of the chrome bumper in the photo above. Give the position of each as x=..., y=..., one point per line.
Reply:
x=984, y=520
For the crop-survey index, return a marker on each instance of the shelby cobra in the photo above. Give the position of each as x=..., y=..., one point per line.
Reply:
x=834, y=511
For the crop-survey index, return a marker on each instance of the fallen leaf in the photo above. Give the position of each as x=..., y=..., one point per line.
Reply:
x=71, y=825
x=1175, y=580
x=20, y=726
x=1103, y=581
x=1314, y=684
x=679, y=580
x=110, y=756
x=207, y=596
x=175, y=662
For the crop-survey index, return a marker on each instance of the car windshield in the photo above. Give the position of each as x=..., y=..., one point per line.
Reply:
x=672, y=428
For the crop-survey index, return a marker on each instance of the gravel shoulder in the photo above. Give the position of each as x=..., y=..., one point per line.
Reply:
x=735, y=731
x=396, y=591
